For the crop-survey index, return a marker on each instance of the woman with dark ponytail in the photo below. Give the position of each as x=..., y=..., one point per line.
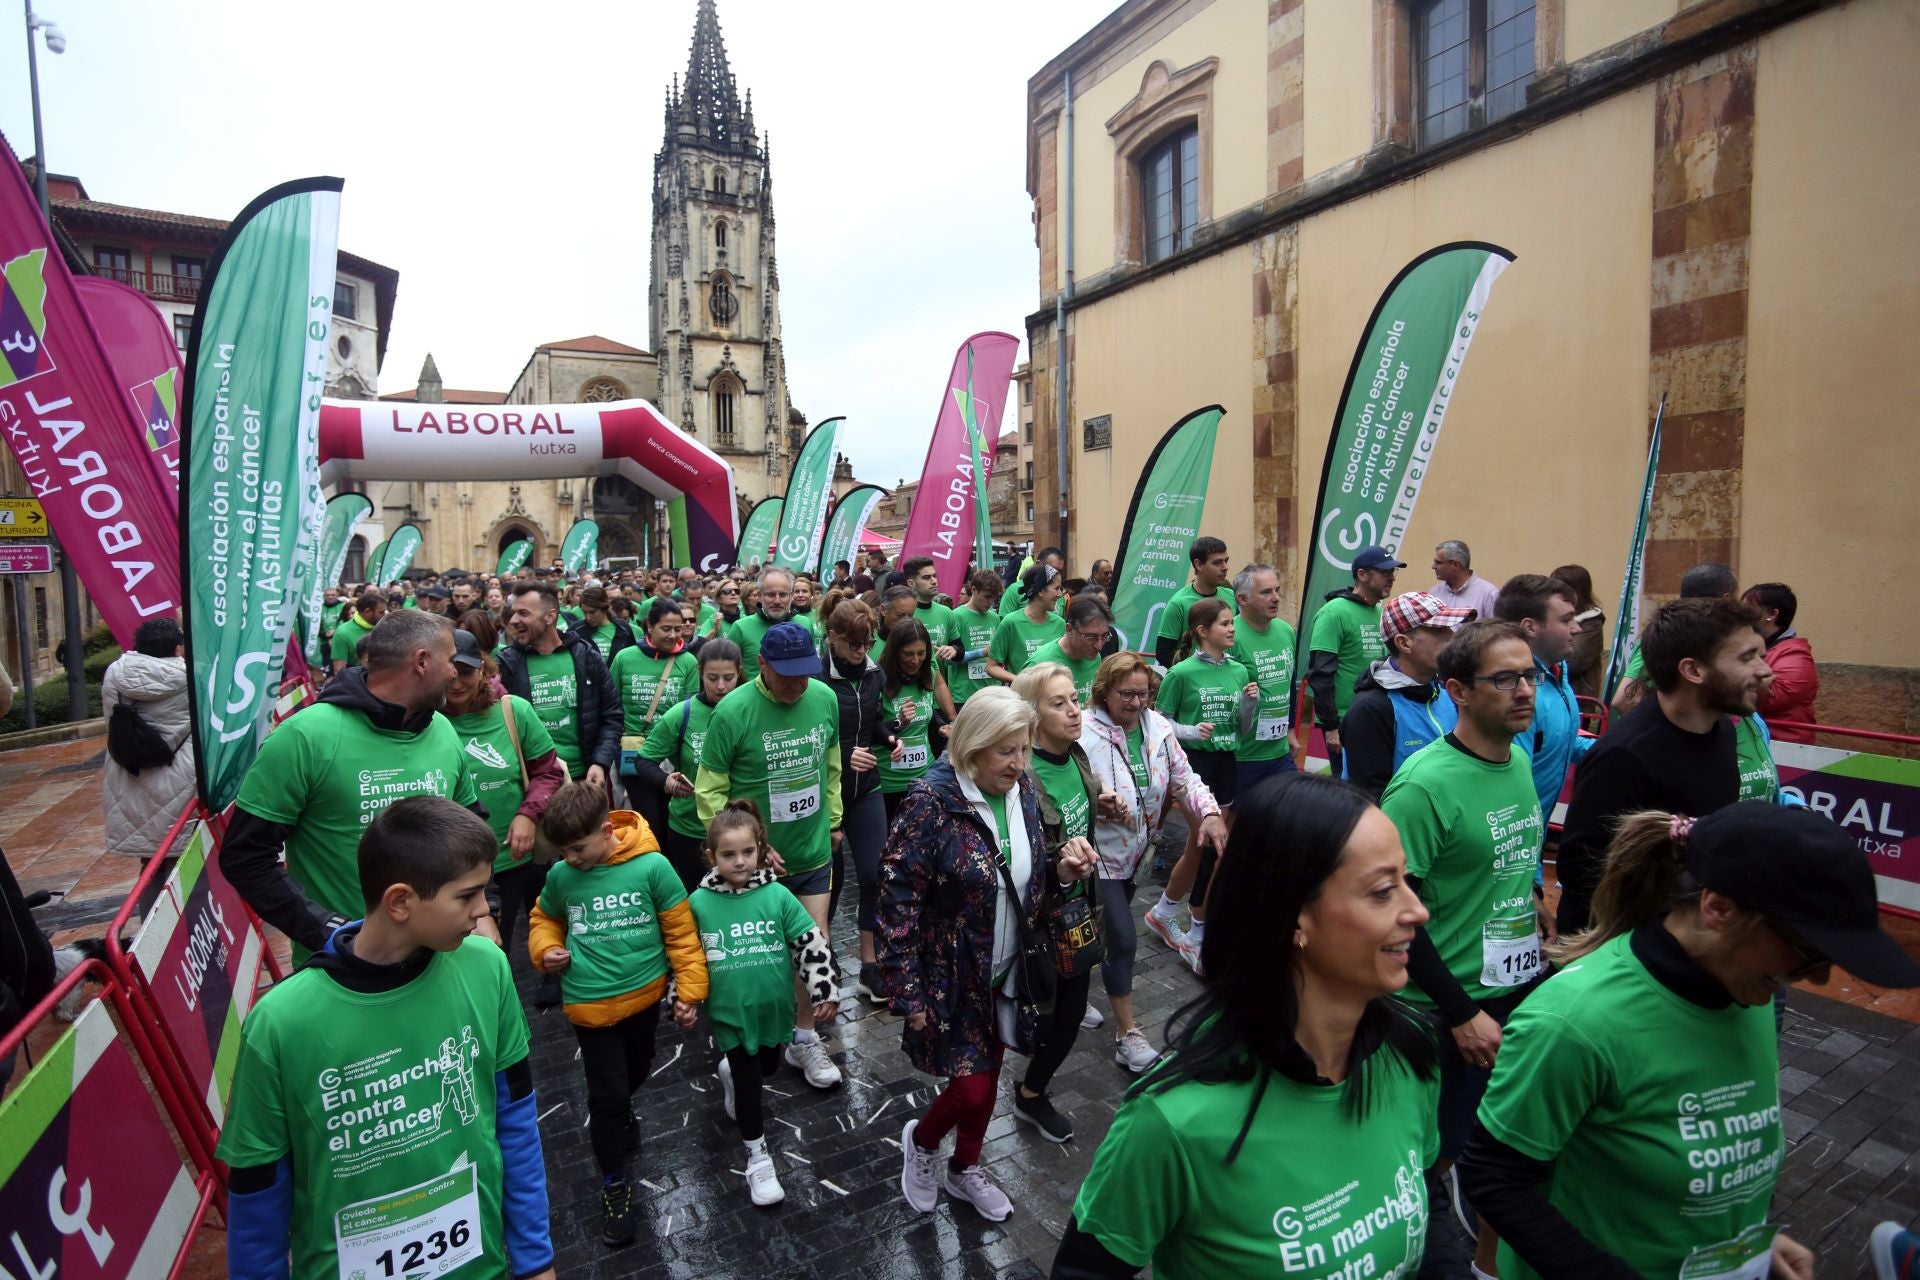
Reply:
x=1296, y=1109
x=1632, y=1125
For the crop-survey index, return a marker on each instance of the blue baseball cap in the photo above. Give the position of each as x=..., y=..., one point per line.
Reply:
x=1377, y=558
x=788, y=649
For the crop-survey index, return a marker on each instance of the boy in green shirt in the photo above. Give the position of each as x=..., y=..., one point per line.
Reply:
x=343, y=650
x=970, y=629
x=613, y=921
x=1209, y=559
x=383, y=1117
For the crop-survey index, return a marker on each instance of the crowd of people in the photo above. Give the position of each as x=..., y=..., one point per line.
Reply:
x=650, y=787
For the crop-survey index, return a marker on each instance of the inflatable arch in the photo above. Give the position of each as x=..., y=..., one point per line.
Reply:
x=395, y=440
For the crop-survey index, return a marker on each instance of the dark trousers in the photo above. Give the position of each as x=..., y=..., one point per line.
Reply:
x=865, y=825
x=519, y=889
x=750, y=1071
x=1059, y=1032
x=688, y=856
x=617, y=1061
x=1462, y=1084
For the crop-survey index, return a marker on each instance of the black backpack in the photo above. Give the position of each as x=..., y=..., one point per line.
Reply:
x=133, y=743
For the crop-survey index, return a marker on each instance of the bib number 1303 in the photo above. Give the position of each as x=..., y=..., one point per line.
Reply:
x=431, y=1228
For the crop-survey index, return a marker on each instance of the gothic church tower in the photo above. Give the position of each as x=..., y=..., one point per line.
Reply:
x=715, y=291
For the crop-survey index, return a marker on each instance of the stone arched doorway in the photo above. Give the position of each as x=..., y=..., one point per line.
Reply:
x=508, y=532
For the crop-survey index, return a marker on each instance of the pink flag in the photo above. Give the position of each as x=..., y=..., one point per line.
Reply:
x=141, y=350
x=73, y=427
x=941, y=523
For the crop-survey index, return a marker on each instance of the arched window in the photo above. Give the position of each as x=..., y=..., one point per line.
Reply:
x=720, y=181
x=356, y=567
x=602, y=391
x=720, y=236
x=726, y=392
x=721, y=301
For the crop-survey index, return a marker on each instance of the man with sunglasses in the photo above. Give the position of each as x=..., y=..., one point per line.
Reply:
x=1471, y=823
x=1676, y=751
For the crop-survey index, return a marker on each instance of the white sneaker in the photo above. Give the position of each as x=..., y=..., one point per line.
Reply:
x=974, y=1186
x=726, y=1088
x=919, y=1171
x=1164, y=928
x=1190, y=952
x=1134, y=1052
x=763, y=1183
x=811, y=1058
x=1092, y=1017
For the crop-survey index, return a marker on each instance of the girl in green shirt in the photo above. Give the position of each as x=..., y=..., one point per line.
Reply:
x=1294, y=1118
x=1023, y=633
x=909, y=700
x=757, y=937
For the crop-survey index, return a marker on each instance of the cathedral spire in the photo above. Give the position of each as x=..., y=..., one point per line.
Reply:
x=709, y=106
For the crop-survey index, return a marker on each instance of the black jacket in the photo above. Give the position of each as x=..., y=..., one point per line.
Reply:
x=250, y=854
x=860, y=725
x=623, y=637
x=1371, y=736
x=598, y=715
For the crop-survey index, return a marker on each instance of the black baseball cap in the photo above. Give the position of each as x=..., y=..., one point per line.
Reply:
x=1799, y=868
x=788, y=649
x=1377, y=558
x=433, y=593
x=466, y=650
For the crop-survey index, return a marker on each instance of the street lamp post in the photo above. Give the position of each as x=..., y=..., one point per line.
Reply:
x=69, y=584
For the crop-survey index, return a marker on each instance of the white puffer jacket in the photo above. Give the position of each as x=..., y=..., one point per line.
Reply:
x=141, y=808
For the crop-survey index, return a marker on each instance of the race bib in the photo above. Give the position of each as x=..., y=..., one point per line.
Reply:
x=430, y=1228
x=1509, y=951
x=914, y=757
x=1748, y=1256
x=977, y=670
x=795, y=804
x=1271, y=728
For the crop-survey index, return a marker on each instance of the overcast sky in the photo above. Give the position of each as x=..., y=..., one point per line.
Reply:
x=500, y=157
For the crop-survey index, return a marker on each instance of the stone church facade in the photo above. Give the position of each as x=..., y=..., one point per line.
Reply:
x=715, y=367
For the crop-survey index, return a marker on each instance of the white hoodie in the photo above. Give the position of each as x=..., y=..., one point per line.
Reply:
x=139, y=809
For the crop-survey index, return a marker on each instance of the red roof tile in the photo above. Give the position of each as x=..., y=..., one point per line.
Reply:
x=594, y=344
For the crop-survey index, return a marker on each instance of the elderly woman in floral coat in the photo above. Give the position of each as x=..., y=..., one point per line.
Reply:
x=949, y=935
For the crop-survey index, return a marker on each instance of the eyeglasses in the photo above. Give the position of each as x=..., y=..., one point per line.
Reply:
x=1506, y=681
x=1132, y=695
x=1810, y=961
x=1094, y=637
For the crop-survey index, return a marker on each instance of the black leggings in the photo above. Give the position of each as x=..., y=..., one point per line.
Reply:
x=750, y=1070
x=617, y=1061
x=519, y=889
x=689, y=858
x=1059, y=1033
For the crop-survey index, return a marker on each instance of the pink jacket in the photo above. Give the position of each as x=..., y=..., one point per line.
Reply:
x=1169, y=778
x=1796, y=683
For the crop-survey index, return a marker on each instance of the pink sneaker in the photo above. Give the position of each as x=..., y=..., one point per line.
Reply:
x=1163, y=928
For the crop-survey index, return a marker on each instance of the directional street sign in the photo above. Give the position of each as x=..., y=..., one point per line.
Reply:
x=22, y=518
x=26, y=557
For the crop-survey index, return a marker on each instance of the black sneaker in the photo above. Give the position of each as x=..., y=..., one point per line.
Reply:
x=1039, y=1112
x=547, y=994
x=870, y=984
x=616, y=1208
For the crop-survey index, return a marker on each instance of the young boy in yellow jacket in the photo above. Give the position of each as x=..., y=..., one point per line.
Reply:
x=613, y=920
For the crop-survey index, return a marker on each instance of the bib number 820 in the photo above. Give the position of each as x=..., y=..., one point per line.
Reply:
x=414, y=1254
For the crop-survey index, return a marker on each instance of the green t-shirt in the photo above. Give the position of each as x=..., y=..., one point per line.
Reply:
x=612, y=914
x=1759, y=778
x=677, y=736
x=1011, y=603
x=1019, y=637
x=1473, y=832
x=1137, y=757
x=1350, y=630
x=1068, y=791
x=897, y=776
x=1200, y=692
x=1661, y=1118
x=812, y=624
x=1314, y=1192
x=750, y=1000
x=638, y=675
x=569, y=611
x=327, y=773
x=937, y=618
x=997, y=805
x=602, y=637
x=496, y=770
x=747, y=633
x=1083, y=669
x=385, y=1103
x=1268, y=657
x=550, y=688
x=1636, y=668
x=969, y=631
x=775, y=754
x=346, y=641
x=1173, y=618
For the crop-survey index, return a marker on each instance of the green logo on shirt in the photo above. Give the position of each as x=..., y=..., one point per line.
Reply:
x=374, y=1108
x=1330, y=1237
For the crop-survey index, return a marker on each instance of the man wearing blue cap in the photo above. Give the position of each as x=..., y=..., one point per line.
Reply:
x=1346, y=640
x=776, y=742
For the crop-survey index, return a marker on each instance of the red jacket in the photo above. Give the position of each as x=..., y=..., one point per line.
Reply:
x=1796, y=683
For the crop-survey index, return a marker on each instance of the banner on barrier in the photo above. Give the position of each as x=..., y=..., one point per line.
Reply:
x=200, y=957
x=90, y=1181
x=1874, y=799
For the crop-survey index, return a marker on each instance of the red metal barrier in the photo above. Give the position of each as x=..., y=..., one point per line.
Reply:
x=1872, y=735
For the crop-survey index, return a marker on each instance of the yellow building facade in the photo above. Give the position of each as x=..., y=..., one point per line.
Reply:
x=1713, y=202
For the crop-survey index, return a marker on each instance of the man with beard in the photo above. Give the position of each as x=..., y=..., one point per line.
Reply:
x=463, y=597
x=373, y=737
x=776, y=604
x=563, y=675
x=1676, y=751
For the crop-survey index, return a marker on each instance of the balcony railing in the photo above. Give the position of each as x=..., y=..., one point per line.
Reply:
x=155, y=284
